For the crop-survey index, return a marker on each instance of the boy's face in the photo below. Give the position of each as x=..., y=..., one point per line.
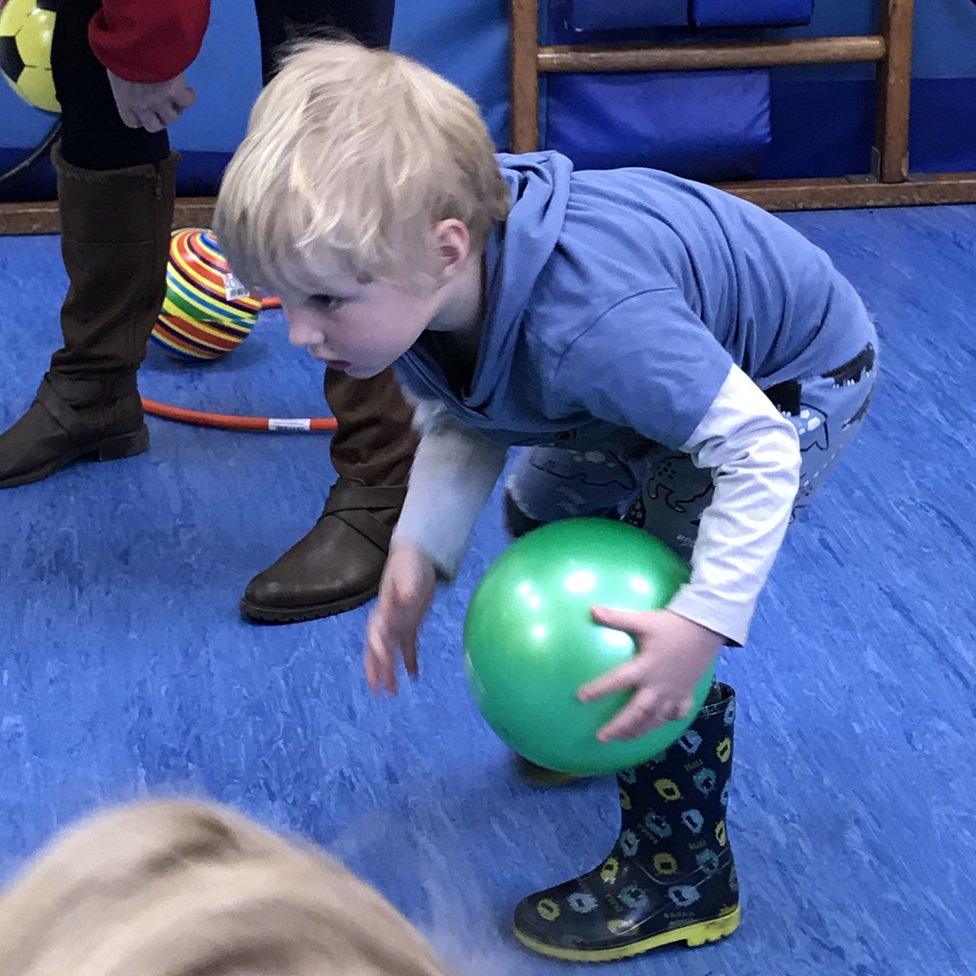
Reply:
x=357, y=326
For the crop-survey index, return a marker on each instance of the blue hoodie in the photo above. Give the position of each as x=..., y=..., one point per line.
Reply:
x=616, y=302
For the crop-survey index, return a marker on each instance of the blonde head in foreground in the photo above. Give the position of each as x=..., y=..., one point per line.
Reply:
x=187, y=889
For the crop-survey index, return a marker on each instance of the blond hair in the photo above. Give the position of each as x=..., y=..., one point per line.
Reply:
x=187, y=889
x=358, y=152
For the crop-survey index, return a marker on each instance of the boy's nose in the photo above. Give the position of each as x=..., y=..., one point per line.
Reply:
x=303, y=326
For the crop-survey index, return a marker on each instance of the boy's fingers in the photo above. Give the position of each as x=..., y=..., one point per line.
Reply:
x=371, y=679
x=378, y=651
x=371, y=658
x=410, y=654
x=633, y=720
x=375, y=639
x=626, y=620
x=682, y=710
x=618, y=679
x=387, y=659
x=392, y=629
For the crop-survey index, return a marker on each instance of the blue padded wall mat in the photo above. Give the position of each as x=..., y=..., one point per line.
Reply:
x=598, y=15
x=755, y=13
x=587, y=15
x=710, y=125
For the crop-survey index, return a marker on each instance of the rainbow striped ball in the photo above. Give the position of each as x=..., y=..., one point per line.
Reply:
x=206, y=312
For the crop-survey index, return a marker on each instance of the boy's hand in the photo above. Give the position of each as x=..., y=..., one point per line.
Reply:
x=152, y=107
x=406, y=590
x=672, y=655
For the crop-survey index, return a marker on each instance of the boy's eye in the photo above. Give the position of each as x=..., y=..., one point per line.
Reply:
x=326, y=301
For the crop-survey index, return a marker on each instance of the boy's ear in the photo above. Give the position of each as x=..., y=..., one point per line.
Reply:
x=453, y=243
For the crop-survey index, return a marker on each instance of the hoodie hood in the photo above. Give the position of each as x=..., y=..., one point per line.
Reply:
x=515, y=255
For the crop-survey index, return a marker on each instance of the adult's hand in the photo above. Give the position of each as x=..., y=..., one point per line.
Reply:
x=153, y=106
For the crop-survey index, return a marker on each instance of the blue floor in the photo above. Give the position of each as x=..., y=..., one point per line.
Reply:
x=125, y=670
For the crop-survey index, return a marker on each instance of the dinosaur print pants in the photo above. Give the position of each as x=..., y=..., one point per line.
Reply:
x=662, y=491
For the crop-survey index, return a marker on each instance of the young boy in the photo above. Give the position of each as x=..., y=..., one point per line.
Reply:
x=666, y=349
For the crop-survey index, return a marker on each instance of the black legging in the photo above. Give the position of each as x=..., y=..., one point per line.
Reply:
x=279, y=21
x=92, y=134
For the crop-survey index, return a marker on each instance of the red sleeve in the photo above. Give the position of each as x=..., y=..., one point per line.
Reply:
x=148, y=40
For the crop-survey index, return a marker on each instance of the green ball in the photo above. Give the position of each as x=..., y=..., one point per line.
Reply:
x=530, y=642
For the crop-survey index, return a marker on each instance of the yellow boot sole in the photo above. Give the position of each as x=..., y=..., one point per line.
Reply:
x=694, y=935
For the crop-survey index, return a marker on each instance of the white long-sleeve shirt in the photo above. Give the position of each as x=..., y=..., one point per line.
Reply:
x=751, y=449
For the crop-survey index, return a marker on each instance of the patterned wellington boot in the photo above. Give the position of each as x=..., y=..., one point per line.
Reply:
x=670, y=877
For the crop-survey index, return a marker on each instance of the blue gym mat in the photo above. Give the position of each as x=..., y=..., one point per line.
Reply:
x=126, y=671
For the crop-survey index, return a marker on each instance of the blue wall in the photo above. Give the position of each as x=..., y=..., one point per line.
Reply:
x=840, y=98
x=467, y=42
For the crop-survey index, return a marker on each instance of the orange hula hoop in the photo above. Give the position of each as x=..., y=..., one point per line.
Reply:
x=224, y=421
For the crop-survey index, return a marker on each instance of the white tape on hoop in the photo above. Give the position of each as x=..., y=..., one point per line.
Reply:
x=280, y=423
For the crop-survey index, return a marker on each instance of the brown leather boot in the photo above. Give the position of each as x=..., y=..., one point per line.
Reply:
x=338, y=565
x=115, y=227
